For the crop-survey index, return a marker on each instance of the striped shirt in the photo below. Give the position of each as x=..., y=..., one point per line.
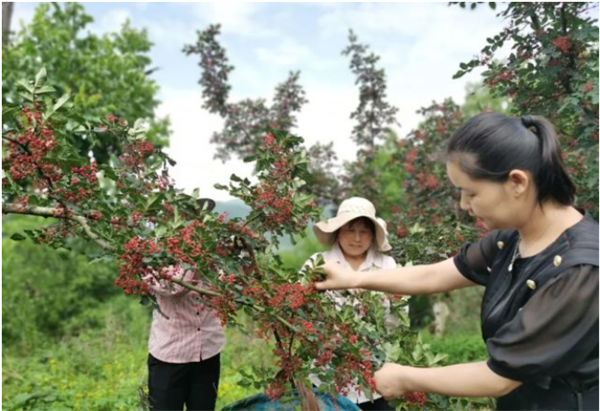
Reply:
x=192, y=332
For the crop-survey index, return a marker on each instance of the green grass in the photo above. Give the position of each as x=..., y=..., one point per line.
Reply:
x=97, y=370
x=240, y=354
x=103, y=369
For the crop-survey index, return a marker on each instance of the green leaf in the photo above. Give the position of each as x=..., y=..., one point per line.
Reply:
x=45, y=89
x=139, y=129
x=459, y=74
x=176, y=214
x=26, y=96
x=40, y=76
x=160, y=231
x=61, y=101
x=18, y=237
x=9, y=113
x=152, y=200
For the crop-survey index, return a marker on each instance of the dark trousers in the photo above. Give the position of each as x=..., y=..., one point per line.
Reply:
x=378, y=405
x=194, y=384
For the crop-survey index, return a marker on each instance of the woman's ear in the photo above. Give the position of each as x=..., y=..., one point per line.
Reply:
x=518, y=182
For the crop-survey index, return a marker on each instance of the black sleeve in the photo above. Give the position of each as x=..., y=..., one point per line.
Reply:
x=475, y=258
x=553, y=333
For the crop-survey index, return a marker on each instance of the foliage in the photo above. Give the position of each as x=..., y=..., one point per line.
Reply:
x=132, y=214
x=459, y=348
x=428, y=197
x=114, y=82
x=552, y=70
x=62, y=289
x=327, y=188
x=377, y=174
x=102, y=368
x=374, y=114
x=245, y=121
x=480, y=100
x=295, y=257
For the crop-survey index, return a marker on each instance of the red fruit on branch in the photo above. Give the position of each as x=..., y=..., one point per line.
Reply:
x=416, y=398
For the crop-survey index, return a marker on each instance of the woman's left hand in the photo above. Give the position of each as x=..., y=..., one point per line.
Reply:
x=391, y=380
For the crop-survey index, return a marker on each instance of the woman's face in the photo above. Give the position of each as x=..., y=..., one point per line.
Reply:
x=355, y=238
x=492, y=202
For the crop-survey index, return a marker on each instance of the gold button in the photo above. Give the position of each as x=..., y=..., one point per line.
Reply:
x=557, y=260
x=531, y=284
x=500, y=244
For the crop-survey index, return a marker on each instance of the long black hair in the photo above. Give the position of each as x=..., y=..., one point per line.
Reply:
x=497, y=144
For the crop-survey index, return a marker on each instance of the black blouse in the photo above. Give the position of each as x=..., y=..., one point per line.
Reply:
x=540, y=321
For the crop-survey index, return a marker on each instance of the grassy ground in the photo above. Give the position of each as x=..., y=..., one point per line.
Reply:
x=105, y=369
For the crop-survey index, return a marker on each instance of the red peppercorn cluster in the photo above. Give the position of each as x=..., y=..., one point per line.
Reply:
x=26, y=152
x=416, y=398
x=563, y=43
x=132, y=266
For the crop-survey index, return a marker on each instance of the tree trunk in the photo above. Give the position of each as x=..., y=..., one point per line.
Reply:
x=7, y=10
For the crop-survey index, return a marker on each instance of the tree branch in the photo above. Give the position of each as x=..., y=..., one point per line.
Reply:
x=57, y=213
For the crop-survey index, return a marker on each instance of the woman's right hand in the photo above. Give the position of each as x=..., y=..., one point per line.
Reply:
x=338, y=278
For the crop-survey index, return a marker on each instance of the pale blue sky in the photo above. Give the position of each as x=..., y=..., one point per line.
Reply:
x=420, y=44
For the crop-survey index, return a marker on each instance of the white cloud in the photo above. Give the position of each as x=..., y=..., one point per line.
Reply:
x=235, y=17
x=190, y=148
x=421, y=46
x=327, y=118
x=287, y=53
x=111, y=21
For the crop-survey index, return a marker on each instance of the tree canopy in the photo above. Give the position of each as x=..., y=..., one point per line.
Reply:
x=107, y=75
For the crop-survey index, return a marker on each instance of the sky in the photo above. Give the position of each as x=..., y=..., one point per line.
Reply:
x=420, y=44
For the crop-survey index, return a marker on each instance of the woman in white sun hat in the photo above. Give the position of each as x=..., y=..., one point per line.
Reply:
x=358, y=239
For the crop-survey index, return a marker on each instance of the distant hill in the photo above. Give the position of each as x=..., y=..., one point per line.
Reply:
x=234, y=208
x=237, y=208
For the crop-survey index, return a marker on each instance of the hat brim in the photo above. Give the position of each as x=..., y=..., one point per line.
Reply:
x=325, y=230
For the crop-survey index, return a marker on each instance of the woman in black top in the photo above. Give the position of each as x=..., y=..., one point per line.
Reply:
x=539, y=312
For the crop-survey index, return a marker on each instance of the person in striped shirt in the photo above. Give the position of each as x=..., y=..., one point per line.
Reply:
x=186, y=338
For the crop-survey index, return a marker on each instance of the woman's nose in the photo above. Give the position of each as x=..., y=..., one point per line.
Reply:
x=463, y=202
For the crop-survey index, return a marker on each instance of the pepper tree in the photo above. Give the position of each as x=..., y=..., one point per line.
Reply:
x=130, y=211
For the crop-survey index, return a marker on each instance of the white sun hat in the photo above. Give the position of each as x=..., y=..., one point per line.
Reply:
x=349, y=210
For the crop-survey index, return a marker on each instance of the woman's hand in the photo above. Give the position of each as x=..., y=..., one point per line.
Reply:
x=391, y=380
x=337, y=278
